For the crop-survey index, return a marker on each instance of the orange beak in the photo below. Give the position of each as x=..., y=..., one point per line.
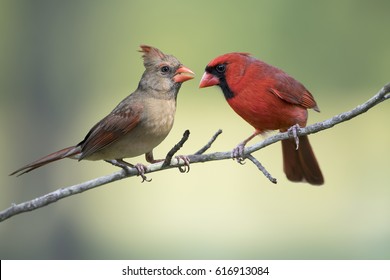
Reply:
x=208, y=80
x=183, y=74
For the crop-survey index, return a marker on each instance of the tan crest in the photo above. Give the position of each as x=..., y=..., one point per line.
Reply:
x=151, y=55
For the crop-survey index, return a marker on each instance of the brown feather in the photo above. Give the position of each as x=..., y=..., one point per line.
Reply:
x=151, y=55
x=110, y=129
x=64, y=153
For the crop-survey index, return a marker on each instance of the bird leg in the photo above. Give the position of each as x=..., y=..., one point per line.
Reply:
x=238, y=152
x=293, y=132
x=183, y=169
x=150, y=158
x=125, y=165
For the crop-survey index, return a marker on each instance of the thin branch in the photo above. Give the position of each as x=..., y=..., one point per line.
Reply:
x=208, y=145
x=261, y=168
x=176, y=148
x=49, y=198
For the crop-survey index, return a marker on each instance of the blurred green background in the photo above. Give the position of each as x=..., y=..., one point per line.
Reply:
x=65, y=64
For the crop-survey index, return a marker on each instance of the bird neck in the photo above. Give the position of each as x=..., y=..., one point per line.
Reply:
x=159, y=93
x=227, y=92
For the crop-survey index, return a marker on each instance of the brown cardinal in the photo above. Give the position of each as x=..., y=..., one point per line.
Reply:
x=137, y=124
x=268, y=99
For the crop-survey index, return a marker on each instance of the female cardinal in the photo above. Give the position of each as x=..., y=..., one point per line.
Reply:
x=137, y=124
x=268, y=99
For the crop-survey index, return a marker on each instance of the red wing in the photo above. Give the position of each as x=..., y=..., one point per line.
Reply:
x=109, y=130
x=293, y=92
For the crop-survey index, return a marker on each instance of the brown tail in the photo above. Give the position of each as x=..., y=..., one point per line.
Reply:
x=301, y=165
x=64, y=153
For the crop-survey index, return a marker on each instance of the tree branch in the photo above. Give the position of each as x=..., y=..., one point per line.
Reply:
x=197, y=157
x=176, y=148
x=261, y=168
x=208, y=145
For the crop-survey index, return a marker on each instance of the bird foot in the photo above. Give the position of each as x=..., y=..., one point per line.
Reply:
x=293, y=131
x=238, y=153
x=141, y=172
x=186, y=167
x=125, y=165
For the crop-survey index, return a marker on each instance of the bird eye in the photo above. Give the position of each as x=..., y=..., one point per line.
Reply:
x=164, y=69
x=220, y=68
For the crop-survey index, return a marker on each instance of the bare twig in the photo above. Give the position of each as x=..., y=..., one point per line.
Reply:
x=176, y=148
x=208, y=145
x=261, y=168
x=49, y=198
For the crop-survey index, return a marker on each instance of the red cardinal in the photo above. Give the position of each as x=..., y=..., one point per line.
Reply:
x=268, y=99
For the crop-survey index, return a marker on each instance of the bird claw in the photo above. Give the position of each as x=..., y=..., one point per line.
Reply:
x=125, y=166
x=293, y=132
x=186, y=167
x=141, y=172
x=238, y=153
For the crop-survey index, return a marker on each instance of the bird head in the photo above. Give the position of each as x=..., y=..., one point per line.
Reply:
x=225, y=71
x=163, y=72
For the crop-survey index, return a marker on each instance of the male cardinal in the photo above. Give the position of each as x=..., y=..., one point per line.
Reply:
x=268, y=99
x=137, y=124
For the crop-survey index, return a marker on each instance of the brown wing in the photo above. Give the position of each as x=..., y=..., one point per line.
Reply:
x=294, y=92
x=110, y=129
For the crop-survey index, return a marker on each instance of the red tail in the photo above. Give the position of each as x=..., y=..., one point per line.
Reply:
x=64, y=153
x=301, y=165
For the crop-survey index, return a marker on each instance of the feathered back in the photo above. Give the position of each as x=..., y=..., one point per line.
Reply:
x=151, y=55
